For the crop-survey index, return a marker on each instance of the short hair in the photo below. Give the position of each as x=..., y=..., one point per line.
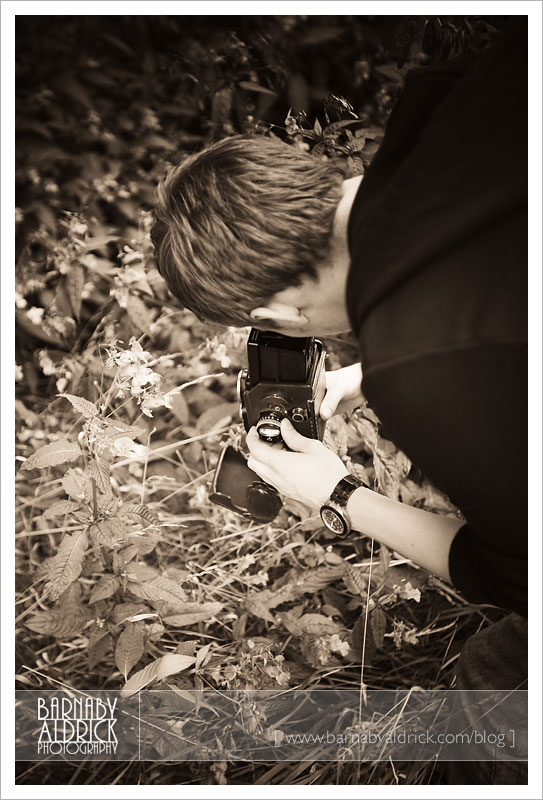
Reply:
x=245, y=218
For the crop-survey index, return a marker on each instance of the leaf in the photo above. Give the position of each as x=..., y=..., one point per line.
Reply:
x=158, y=670
x=114, y=428
x=122, y=611
x=66, y=565
x=108, y=532
x=180, y=408
x=160, y=590
x=314, y=624
x=391, y=467
x=129, y=647
x=56, y=623
x=218, y=416
x=202, y=654
x=106, y=586
x=205, y=611
x=140, y=511
x=99, y=470
x=251, y=86
x=97, y=648
x=75, y=280
x=60, y=509
x=139, y=313
x=378, y=622
x=82, y=406
x=52, y=454
x=75, y=484
x=140, y=572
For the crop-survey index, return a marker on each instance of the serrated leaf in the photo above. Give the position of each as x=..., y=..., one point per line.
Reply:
x=82, y=406
x=129, y=647
x=60, y=509
x=122, y=611
x=158, y=670
x=140, y=573
x=75, y=484
x=97, y=649
x=99, y=470
x=56, y=623
x=66, y=565
x=114, y=428
x=108, y=532
x=106, y=586
x=52, y=454
x=140, y=511
x=378, y=622
x=75, y=280
x=160, y=590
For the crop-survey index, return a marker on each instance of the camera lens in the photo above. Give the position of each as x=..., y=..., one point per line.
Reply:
x=269, y=427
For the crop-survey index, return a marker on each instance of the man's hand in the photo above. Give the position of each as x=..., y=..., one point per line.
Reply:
x=343, y=391
x=307, y=472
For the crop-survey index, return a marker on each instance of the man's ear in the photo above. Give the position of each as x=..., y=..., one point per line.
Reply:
x=283, y=315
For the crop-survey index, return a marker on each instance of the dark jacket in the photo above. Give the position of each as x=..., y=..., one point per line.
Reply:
x=437, y=295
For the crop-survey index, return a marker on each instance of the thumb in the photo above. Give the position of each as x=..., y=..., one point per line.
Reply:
x=331, y=400
x=294, y=440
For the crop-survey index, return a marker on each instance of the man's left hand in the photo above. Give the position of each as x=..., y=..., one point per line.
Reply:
x=308, y=471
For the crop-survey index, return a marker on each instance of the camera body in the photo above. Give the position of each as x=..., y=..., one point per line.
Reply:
x=285, y=377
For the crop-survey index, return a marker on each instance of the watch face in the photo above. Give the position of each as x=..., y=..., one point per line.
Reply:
x=333, y=520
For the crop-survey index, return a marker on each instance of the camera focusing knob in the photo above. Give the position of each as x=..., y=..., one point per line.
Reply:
x=269, y=426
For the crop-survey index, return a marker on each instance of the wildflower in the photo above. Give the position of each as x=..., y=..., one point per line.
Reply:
x=19, y=374
x=19, y=215
x=338, y=646
x=125, y=447
x=46, y=364
x=35, y=315
x=20, y=301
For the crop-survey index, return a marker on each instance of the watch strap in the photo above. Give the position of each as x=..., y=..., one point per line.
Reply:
x=344, y=489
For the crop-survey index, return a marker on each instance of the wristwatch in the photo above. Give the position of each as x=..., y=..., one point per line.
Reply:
x=334, y=511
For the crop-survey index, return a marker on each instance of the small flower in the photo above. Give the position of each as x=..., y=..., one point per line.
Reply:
x=19, y=374
x=125, y=447
x=20, y=301
x=35, y=315
x=46, y=364
x=339, y=646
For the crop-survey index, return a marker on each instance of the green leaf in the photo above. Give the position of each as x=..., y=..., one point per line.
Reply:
x=129, y=648
x=158, y=670
x=82, y=406
x=52, y=454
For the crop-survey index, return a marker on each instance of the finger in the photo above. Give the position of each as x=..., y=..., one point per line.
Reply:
x=294, y=440
x=331, y=400
x=261, y=469
x=258, y=449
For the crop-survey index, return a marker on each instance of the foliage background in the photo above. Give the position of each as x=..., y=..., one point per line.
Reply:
x=104, y=105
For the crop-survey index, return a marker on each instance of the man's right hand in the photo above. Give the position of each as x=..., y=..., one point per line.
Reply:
x=343, y=391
